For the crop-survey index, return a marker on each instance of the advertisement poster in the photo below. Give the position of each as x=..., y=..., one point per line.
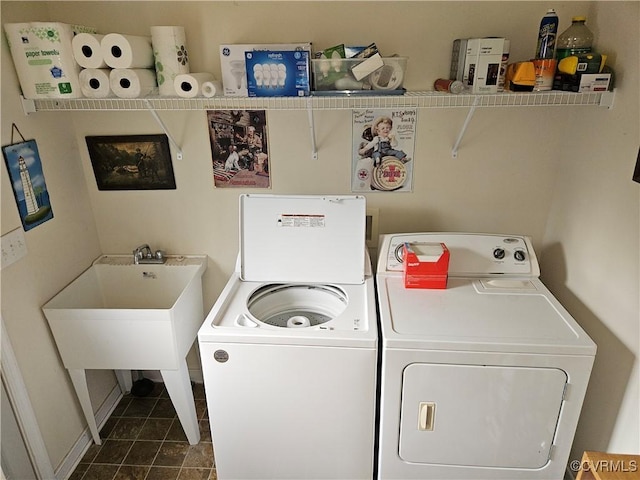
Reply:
x=239, y=148
x=383, y=142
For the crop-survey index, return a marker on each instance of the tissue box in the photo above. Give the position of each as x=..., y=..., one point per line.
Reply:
x=336, y=74
x=277, y=74
x=426, y=265
x=232, y=63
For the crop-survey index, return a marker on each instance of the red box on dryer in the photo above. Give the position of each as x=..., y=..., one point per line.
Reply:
x=426, y=265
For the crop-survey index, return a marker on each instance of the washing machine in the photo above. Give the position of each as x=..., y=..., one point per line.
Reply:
x=484, y=379
x=289, y=349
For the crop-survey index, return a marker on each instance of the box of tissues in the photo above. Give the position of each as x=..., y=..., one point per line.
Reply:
x=426, y=265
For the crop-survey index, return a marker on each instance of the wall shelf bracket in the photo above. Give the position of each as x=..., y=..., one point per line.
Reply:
x=28, y=105
x=164, y=129
x=472, y=110
x=312, y=130
x=607, y=98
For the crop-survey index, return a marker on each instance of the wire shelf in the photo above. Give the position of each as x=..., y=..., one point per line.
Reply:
x=425, y=99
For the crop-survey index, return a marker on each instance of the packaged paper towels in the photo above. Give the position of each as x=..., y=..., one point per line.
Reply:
x=94, y=82
x=189, y=85
x=87, y=50
x=171, y=58
x=126, y=51
x=132, y=82
x=43, y=57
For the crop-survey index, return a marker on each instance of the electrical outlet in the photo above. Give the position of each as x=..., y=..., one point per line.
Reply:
x=371, y=232
x=14, y=247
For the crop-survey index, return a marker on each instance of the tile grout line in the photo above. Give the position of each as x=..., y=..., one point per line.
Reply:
x=136, y=438
x=164, y=438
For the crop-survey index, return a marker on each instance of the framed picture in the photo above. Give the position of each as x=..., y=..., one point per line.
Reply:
x=131, y=162
x=27, y=179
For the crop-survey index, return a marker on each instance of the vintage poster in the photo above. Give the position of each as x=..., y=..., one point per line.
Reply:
x=382, y=150
x=239, y=148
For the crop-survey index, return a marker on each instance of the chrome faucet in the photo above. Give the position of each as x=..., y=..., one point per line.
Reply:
x=144, y=254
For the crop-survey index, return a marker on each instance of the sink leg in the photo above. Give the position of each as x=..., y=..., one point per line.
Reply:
x=124, y=380
x=79, y=380
x=178, y=385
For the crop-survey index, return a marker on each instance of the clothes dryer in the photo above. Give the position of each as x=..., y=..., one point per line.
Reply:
x=289, y=350
x=484, y=379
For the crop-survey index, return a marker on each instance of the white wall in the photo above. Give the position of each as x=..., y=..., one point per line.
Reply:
x=591, y=245
x=510, y=161
x=58, y=250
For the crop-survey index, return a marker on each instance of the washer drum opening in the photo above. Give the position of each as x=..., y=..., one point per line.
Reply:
x=297, y=305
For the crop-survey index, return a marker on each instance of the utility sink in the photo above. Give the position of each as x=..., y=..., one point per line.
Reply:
x=125, y=316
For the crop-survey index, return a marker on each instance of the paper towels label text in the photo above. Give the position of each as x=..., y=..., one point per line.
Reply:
x=44, y=53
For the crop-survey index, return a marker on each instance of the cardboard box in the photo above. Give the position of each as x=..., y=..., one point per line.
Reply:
x=232, y=63
x=277, y=74
x=594, y=82
x=588, y=82
x=482, y=64
x=426, y=265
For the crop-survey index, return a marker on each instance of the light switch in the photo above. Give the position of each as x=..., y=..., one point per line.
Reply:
x=14, y=247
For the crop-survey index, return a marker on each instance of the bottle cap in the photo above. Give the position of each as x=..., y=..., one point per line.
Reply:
x=580, y=18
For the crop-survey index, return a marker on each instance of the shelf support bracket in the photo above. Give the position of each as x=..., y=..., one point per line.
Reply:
x=607, y=98
x=28, y=105
x=164, y=129
x=312, y=131
x=472, y=110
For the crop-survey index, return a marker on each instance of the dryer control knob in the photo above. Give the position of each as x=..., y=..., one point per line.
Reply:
x=498, y=253
x=519, y=255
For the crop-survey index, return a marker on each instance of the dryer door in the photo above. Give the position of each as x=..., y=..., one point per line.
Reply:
x=476, y=415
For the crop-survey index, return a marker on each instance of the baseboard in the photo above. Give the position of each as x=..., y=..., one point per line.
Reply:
x=72, y=459
x=194, y=375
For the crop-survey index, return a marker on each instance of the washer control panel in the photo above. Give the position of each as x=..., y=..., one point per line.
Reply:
x=470, y=254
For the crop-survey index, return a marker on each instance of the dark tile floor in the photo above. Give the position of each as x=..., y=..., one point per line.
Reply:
x=143, y=440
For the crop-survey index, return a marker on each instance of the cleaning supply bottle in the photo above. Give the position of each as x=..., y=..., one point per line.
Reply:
x=547, y=35
x=575, y=40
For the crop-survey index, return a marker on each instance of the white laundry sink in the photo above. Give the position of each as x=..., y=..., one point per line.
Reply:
x=125, y=316
x=119, y=315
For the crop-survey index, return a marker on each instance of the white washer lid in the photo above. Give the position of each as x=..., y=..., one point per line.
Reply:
x=302, y=238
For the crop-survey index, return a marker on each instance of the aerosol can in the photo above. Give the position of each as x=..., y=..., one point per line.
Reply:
x=547, y=35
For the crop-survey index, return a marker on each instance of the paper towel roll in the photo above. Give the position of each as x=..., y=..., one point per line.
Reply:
x=43, y=58
x=87, y=50
x=211, y=89
x=94, y=82
x=171, y=58
x=132, y=82
x=189, y=85
x=126, y=51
